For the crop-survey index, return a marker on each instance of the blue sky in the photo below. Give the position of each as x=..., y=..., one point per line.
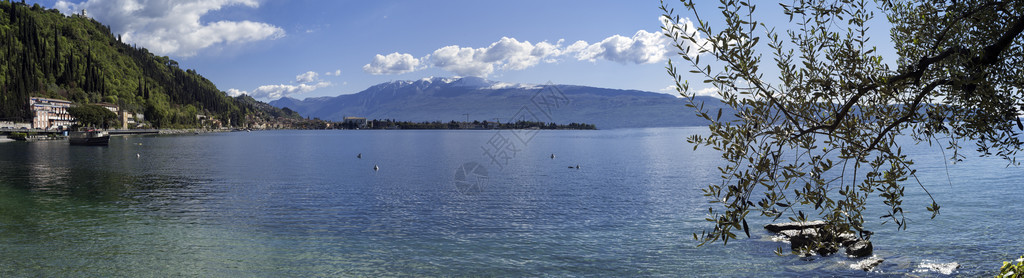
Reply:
x=308, y=48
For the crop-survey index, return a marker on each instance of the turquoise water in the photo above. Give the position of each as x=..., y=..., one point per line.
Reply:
x=300, y=203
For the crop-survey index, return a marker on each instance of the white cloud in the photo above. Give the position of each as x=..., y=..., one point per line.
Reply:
x=308, y=82
x=333, y=73
x=670, y=90
x=236, y=92
x=394, y=63
x=282, y=90
x=685, y=28
x=465, y=61
x=307, y=77
x=642, y=47
x=710, y=92
x=174, y=27
x=505, y=54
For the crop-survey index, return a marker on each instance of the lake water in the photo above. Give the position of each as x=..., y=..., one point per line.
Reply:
x=300, y=203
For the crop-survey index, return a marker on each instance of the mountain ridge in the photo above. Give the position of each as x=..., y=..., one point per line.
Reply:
x=446, y=99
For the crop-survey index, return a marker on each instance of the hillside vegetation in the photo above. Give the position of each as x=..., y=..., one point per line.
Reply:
x=46, y=53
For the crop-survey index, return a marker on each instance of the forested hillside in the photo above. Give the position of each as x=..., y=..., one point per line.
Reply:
x=46, y=53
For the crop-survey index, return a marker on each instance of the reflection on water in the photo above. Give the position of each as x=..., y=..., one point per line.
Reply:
x=300, y=203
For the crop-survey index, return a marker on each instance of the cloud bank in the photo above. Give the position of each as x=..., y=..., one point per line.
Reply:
x=394, y=63
x=174, y=27
x=642, y=47
x=283, y=90
x=308, y=82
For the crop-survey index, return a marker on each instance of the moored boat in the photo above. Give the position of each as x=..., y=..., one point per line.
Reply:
x=92, y=137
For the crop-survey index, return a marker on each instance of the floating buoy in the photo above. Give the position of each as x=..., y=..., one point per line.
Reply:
x=375, y=168
x=360, y=156
x=552, y=156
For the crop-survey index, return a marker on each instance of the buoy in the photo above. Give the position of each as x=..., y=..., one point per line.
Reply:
x=360, y=156
x=552, y=156
x=577, y=166
x=375, y=168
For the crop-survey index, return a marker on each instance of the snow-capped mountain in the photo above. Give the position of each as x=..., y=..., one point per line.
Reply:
x=446, y=99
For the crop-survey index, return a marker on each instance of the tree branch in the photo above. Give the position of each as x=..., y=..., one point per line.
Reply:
x=911, y=111
x=989, y=56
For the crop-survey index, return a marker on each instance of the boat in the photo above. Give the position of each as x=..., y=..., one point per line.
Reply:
x=92, y=137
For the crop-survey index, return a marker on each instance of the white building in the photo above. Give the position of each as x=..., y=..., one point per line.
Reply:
x=50, y=113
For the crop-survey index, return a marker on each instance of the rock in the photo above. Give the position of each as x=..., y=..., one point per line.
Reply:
x=779, y=227
x=804, y=234
x=867, y=264
x=848, y=238
x=799, y=239
x=859, y=249
x=793, y=233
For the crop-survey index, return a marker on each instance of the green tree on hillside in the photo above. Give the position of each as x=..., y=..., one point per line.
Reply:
x=93, y=116
x=46, y=53
x=817, y=120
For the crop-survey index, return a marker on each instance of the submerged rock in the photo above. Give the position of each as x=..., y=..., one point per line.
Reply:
x=860, y=248
x=848, y=238
x=779, y=227
x=795, y=233
x=809, y=240
x=805, y=234
x=867, y=264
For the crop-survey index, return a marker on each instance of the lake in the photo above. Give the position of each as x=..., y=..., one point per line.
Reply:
x=444, y=203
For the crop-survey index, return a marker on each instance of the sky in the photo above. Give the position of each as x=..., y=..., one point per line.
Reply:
x=270, y=49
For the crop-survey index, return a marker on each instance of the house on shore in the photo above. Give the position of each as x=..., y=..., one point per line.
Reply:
x=354, y=122
x=50, y=113
x=127, y=118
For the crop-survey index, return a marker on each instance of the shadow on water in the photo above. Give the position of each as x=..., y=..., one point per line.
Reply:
x=43, y=183
x=92, y=211
x=53, y=169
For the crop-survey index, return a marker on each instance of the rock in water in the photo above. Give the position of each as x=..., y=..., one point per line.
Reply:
x=779, y=227
x=802, y=235
x=867, y=264
x=800, y=238
x=859, y=249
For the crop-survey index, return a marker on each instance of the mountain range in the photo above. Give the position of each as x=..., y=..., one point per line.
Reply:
x=472, y=98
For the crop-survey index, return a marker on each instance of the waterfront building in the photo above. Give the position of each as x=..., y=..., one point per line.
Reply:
x=358, y=122
x=50, y=113
x=127, y=118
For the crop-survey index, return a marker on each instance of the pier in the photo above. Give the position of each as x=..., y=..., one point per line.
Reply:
x=116, y=132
